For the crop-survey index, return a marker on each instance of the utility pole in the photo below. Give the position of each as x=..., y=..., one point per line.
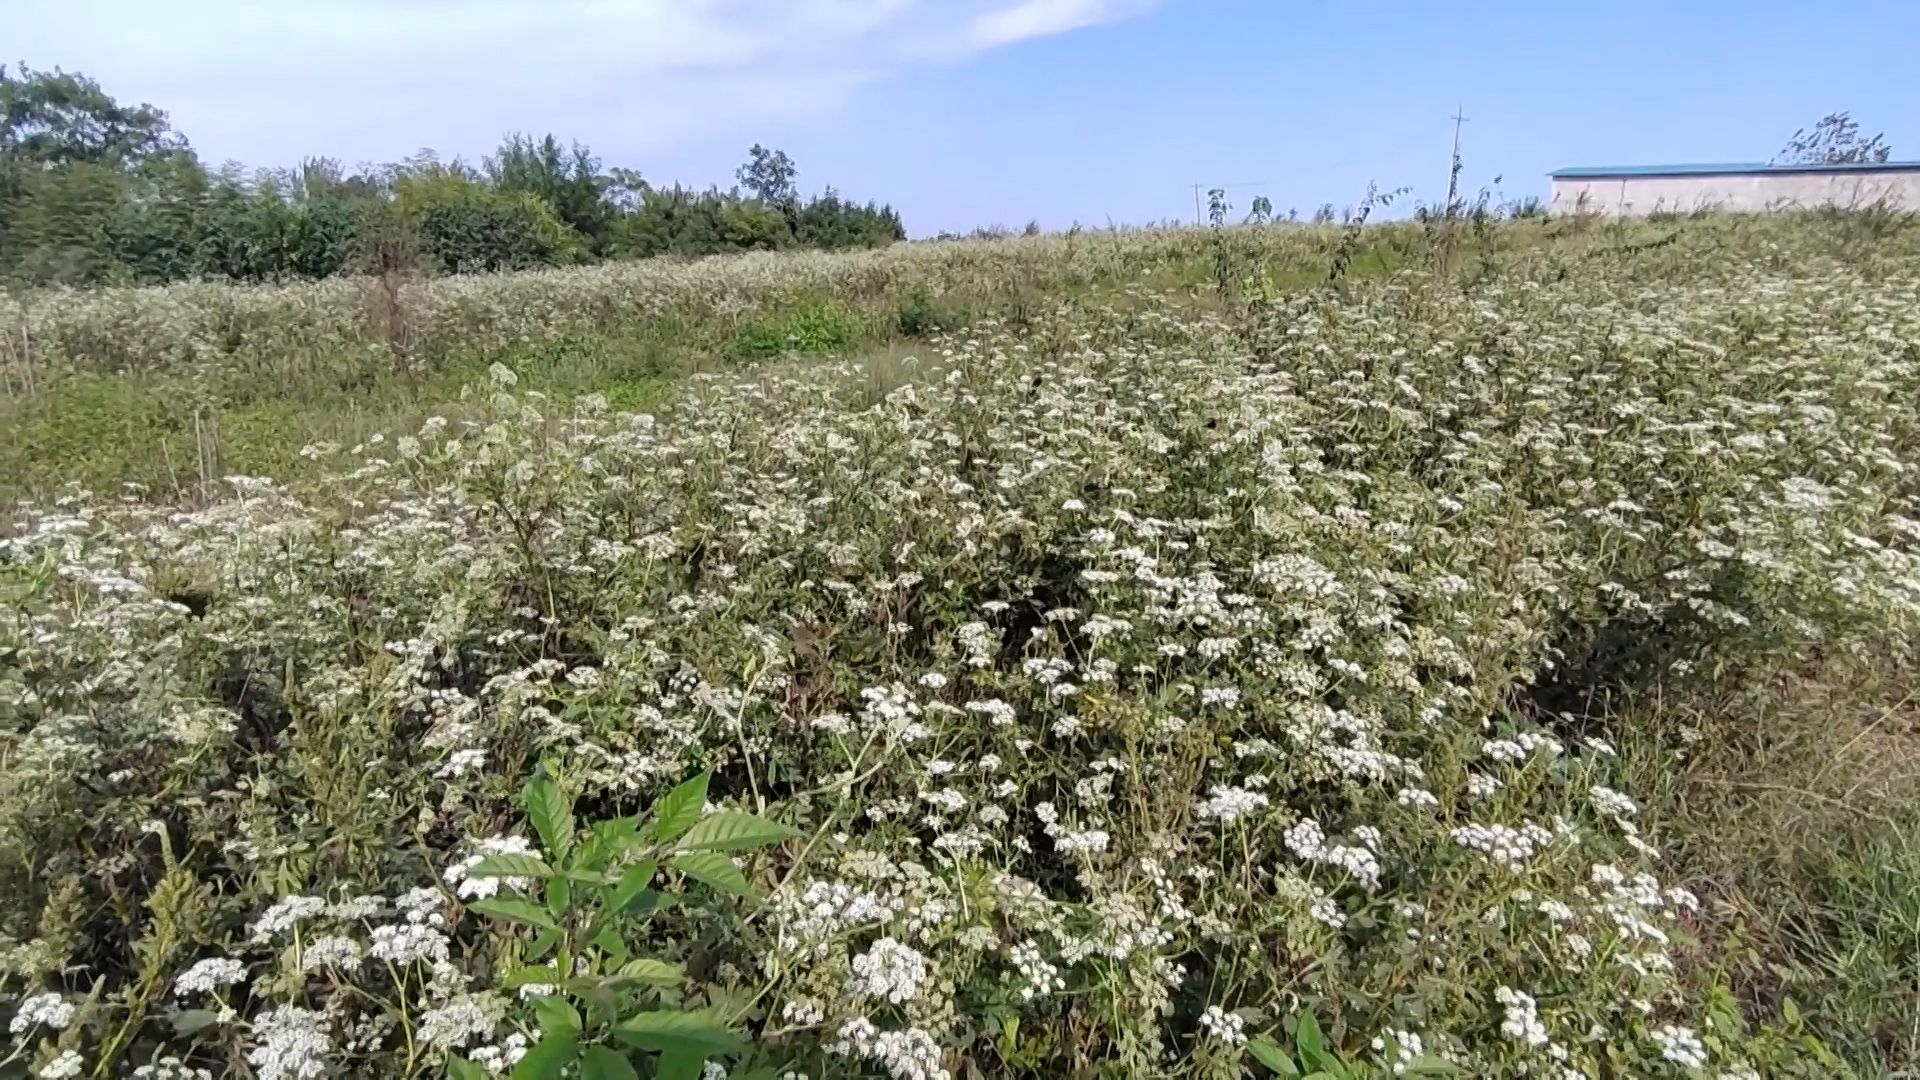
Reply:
x=1196, y=204
x=1453, y=162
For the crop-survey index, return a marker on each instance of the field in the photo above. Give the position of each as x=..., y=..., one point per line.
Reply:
x=1107, y=655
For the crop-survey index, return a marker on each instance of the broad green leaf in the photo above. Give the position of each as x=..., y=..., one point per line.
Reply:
x=714, y=869
x=677, y=810
x=551, y=813
x=459, y=1068
x=515, y=910
x=650, y=901
x=633, y=881
x=680, y=1065
x=559, y=893
x=653, y=972
x=732, y=830
x=605, y=839
x=530, y=976
x=667, y=1031
x=543, y=943
x=554, y=1014
x=193, y=1021
x=606, y=1063
x=548, y=1056
x=1306, y=1038
x=1274, y=1058
x=594, y=993
x=613, y=945
x=509, y=865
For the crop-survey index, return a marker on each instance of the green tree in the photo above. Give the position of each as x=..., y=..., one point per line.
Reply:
x=52, y=118
x=770, y=176
x=66, y=151
x=1835, y=140
x=567, y=180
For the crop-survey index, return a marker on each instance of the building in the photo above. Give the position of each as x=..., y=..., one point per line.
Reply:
x=1643, y=189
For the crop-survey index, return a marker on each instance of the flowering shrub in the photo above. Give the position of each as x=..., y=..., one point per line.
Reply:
x=1139, y=693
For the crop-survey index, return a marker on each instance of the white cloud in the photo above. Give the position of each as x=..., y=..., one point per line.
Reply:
x=376, y=78
x=1044, y=18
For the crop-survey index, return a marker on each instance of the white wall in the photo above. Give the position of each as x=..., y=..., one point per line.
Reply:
x=1634, y=195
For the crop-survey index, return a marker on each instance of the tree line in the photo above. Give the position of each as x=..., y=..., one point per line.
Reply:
x=96, y=191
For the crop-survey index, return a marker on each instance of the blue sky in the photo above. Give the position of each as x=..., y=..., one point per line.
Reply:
x=965, y=112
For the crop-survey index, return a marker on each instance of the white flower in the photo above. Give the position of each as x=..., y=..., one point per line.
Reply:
x=1522, y=1023
x=1229, y=1028
x=409, y=943
x=1680, y=1046
x=333, y=951
x=290, y=1043
x=482, y=888
x=461, y=1020
x=49, y=1009
x=209, y=975
x=910, y=1054
x=285, y=914
x=68, y=1064
x=1228, y=803
x=890, y=970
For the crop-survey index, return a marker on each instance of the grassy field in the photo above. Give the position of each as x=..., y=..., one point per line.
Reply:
x=1112, y=655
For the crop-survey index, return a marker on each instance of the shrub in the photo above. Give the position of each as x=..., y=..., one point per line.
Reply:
x=1146, y=693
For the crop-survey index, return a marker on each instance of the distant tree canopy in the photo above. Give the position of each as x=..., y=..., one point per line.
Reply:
x=1835, y=140
x=95, y=191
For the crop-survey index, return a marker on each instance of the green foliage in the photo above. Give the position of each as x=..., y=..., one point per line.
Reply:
x=1156, y=692
x=93, y=192
x=810, y=326
x=599, y=888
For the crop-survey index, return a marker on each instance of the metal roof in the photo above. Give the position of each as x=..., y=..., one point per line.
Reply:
x=1736, y=169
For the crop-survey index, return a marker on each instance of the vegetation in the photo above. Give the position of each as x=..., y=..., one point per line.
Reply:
x=94, y=191
x=1420, y=649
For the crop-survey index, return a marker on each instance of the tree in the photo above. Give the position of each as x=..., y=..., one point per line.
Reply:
x=1835, y=140
x=52, y=118
x=567, y=180
x=769, y=175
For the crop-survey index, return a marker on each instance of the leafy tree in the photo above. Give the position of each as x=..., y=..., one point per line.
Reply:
x=567, y=180
x=1835, y=140
x=59, y=228
x=769, y=175
x=55, y=118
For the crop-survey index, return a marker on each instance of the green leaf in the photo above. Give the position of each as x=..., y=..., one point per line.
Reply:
x=606, y=1063
x=667, y=1031
x=551, y=813
x=459, y=1068
x=539, y=975
x=559, y=893
x=556, y=1051
x=633, y=881
x=510, y=865
x=680, y=1065
x=515, y=910
x=607, y=838
x=1274, y=1058
x=653, y=972
x=543, y=943
x=554, y=1014
x=650, y=901
x=1312, y=1048
x=677, y=810
x=732, y=830
x=193, y=1021
x=714, y=869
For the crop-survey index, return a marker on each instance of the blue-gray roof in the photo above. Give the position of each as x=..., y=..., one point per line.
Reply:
x=1737, y=169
